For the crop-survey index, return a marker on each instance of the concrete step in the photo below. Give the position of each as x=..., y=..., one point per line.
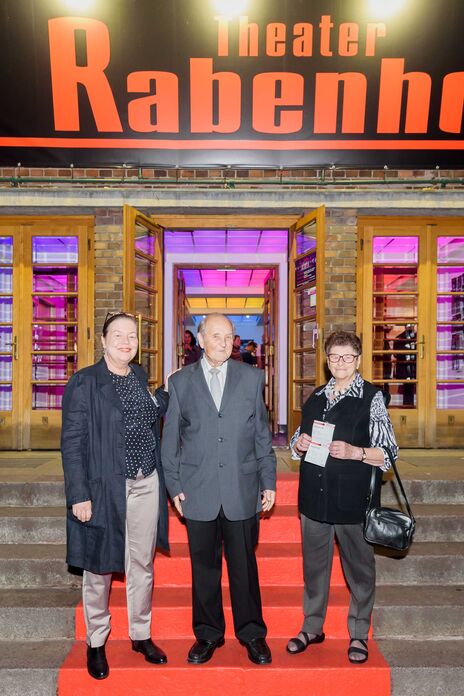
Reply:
x=411, y=612
x=32, y=493
x=31, y=668
x=47, y=525
x=51, y=493
x=32, y=525
x=425, y=667
x=427, y=563
x=45, y=614
x=425, y=491
x=34, y=566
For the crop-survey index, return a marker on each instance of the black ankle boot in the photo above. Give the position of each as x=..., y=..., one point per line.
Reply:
x=97, y=665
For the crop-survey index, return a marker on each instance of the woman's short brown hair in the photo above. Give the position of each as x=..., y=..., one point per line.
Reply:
x=343, y=338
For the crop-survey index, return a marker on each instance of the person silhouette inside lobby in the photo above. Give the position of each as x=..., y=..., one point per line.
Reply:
x=220, y=471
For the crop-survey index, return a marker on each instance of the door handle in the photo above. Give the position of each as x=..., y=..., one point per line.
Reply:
x=14, y=346
x=139, y=336
x=422, y=348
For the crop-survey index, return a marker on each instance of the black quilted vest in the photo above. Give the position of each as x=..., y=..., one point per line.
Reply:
x=338, y=492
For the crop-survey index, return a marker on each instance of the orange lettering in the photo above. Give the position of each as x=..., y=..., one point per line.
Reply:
x=452, y=102
x=326, y=102
x=223, y=36
x=392, y=79
x=202, y=82
x=303, y=42
x=165, y=98
x=271, y=93
x=67, y=75
x=247, y=38
x=275, y=39
x=348, y=39
x=326, y=26
x=374, y=30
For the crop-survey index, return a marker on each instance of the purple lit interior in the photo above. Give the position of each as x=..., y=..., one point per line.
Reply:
x=212, y=278
x=6, y=249
x=226, y=241
x=54, y=249
x=399, y=249
x=450, y=249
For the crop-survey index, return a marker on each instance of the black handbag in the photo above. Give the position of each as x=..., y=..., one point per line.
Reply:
x=386, y=526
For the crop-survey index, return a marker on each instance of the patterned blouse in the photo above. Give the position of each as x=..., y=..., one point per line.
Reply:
x=139, y=415
x=380, y=426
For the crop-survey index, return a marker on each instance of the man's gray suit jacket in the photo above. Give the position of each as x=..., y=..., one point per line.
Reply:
x=218, y=458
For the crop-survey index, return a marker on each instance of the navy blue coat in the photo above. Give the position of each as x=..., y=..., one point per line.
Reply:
x=93, y=455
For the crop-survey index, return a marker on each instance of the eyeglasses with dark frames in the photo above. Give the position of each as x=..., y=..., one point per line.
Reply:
x=347, y=358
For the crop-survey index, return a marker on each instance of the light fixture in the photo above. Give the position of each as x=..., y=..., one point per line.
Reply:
x=79, y=5
x=226, y=270
x=381, y=9
x=230, y=8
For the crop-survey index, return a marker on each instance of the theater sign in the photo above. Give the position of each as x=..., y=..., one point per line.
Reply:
x=280, y=83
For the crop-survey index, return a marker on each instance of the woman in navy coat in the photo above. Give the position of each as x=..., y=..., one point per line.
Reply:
x=115, y=493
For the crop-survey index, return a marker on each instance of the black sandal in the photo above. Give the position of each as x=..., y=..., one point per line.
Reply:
x=300, y=646
x=352, y=650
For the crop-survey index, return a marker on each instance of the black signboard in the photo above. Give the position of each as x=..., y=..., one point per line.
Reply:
x=289, y=83
x=305, y=269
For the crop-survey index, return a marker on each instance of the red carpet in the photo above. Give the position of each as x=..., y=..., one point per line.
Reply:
x=323, y=670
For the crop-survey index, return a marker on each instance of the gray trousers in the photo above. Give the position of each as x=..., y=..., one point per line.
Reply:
x=142, y=512
x=358, y=563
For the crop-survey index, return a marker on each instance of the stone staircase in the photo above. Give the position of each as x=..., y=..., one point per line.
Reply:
x=418, y=620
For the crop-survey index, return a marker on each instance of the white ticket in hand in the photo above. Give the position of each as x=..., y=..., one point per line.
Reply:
x=321, y=437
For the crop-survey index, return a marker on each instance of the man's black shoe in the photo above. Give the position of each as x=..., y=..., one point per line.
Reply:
x=151, y=651
x=97, y=666
x=203, y=650
x=258, y=651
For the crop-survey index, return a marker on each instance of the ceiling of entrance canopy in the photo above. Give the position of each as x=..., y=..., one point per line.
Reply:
x=225, y=280
x=226, y=241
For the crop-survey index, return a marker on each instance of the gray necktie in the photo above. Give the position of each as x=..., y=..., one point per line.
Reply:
x=215, y=387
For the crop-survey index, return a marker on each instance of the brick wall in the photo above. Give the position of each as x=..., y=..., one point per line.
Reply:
x=108, y=267
x=340, y=269
x=228, y=177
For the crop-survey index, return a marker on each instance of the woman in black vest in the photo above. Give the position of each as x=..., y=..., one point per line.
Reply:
x=114, y=483
x=333, y=490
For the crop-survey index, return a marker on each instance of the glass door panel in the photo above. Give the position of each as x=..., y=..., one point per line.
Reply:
x=8, y=341
x=394, y=323
x=143, y=287
x=449, y=368
x=179, y=313
x=45, y=332
x=306, y=311
x=269, y=357
x=413, y=325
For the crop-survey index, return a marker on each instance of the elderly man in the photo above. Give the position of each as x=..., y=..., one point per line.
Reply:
x=220, y=471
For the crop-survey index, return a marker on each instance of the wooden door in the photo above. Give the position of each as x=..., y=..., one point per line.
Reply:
x=445, y=397
x=143, y=288
x=179, y=314
x=412, y=324
x=47, y=332
x=305, y=311
x=268, y=349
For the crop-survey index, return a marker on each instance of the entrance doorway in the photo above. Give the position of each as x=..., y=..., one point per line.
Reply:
x=46, y=321
x=248, y=295
x=296, y=365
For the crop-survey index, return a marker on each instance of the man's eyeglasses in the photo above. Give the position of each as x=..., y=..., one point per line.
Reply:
x=347, y=358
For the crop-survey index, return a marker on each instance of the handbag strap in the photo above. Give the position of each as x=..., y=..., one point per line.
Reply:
x=373, y=480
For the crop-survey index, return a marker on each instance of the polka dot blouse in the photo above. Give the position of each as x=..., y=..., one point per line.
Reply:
x=139, y=415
